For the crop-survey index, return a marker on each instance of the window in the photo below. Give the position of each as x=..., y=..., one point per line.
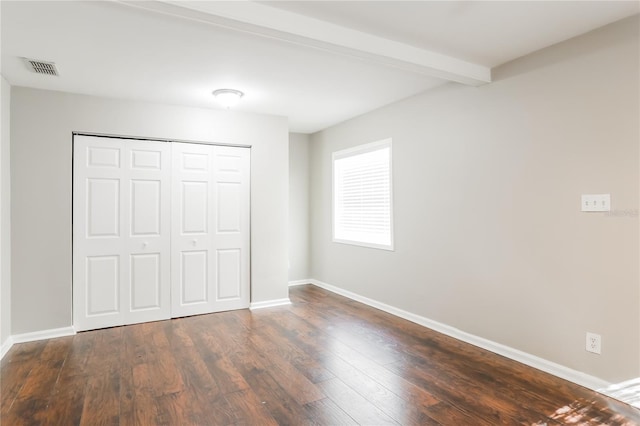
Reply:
x=362, y=197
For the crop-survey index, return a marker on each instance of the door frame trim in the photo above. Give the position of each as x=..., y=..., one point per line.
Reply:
x=154, y=139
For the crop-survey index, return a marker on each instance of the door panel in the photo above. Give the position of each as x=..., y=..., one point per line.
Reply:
x=103, y=209
x=147, y=288
x=194, y=206
x=231, y=240
x=103, y=157
x=191, y=238
x=121, y=239
x=194, y=277
x=195, y=161
x=229, y=274
x=145, y=207
x=143, y=159
x=229, y=206
x=103, y=285
x=145, y=281
x=204, y=279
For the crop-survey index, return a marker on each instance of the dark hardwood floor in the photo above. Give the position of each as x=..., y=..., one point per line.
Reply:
x=324, y=360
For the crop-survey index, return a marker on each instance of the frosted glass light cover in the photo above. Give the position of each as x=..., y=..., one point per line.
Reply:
x=228, y=98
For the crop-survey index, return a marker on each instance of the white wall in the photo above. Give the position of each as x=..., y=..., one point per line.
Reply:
x=298, y=206
x=5, y=212
x=489, y=235
x=42, y=123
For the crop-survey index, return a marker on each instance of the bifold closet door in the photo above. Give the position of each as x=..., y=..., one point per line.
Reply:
x=121, y=231
x=210, y=229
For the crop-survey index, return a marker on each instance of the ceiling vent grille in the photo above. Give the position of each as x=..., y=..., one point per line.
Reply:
x=41, y=67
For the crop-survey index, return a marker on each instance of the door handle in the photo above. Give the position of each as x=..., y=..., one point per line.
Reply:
x=145, y=244
x=194, y=242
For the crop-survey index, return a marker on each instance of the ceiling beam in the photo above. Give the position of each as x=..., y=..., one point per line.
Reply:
x=270, y=22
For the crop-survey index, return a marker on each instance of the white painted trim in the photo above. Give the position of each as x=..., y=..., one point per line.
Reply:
x=270, y=303
x=558, y=370
x=43, y=334
x=625, y=384
x=265, y=21
x=299, y=282
x=6, y=346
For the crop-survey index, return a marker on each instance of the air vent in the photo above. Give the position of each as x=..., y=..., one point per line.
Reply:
x=41, y=67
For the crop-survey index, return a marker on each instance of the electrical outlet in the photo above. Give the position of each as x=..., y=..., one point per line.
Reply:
x=594, y=343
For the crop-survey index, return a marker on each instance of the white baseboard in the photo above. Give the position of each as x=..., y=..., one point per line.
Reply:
x=299, y=282
x=43, y=334
x=558, y=370
x=6, y=346
x=270, y=303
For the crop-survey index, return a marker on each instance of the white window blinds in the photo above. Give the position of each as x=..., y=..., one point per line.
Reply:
x=362, y=201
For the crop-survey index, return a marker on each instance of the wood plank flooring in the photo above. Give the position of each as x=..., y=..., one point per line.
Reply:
x=324, y=360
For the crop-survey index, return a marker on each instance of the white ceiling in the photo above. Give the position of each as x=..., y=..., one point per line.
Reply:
x=318, y=63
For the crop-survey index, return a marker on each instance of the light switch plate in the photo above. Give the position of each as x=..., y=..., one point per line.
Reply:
x=596, y=202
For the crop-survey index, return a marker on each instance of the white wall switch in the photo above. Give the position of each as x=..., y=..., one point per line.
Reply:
x=596, y=202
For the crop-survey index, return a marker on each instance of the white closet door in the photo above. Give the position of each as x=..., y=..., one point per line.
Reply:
x=121, y=231
x=210, y=236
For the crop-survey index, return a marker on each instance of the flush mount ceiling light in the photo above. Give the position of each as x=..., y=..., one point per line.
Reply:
x=228, y=98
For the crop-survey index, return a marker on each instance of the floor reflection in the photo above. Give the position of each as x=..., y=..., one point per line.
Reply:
x=628, y=392
x=586, y=412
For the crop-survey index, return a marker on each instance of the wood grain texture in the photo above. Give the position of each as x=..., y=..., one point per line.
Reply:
x=324, y=360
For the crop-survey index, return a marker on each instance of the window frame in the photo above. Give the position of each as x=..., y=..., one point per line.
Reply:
x=350, y=152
